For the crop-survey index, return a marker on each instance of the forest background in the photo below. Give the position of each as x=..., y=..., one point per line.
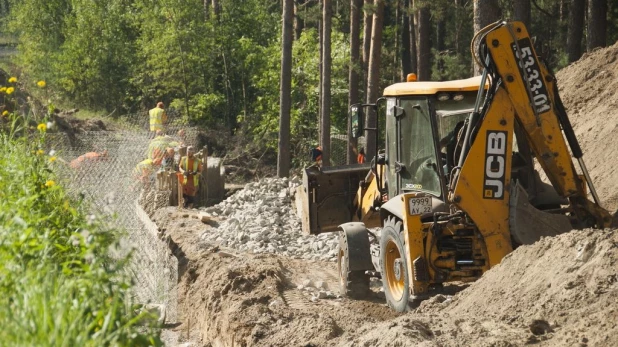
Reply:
x=218, y=63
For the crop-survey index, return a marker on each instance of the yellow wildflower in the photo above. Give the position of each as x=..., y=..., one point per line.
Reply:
x=10, y=90
x=52, y=159
x=5, y=113
x=40, y=152
x=12, y=79
x=42, y=127
x=41, y=84
x=50, y=183
x=3, y=89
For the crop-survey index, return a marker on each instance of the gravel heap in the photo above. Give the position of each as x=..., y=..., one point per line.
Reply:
x=260, y=218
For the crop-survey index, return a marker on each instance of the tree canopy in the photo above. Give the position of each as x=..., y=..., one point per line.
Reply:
x=218, y=63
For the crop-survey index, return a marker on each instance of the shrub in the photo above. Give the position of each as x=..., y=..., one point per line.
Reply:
x=59, y=284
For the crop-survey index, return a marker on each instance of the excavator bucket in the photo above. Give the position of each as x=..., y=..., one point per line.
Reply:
x=325, y=199
x=528, y=224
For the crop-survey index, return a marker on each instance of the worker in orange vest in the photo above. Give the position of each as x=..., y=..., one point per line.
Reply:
x=361, y=156
x=157, y=117
x=316, y=155
x=189, y=169
x=88, y=157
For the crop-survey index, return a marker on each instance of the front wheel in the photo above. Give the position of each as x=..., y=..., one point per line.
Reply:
x=352, y=284
x=395, y=277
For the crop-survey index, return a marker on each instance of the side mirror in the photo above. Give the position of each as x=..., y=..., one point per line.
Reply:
x=398, y=111
x=357, y=118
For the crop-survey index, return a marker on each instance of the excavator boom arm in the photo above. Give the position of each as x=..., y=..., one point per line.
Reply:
x=533, y=92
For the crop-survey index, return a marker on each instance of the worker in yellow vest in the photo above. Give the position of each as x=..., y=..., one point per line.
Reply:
x=157, y=118
x=189, y=169
x=143, y=171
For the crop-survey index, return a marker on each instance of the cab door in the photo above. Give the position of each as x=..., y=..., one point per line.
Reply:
x=418, y=167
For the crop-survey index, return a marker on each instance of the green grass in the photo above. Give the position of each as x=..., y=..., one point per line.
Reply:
x=59, y=285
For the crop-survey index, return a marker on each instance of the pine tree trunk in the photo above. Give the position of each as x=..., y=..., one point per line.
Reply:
x=597, y=24
x=367, y=24
x=440, y=48
x=321, y=48
x=285, y=89
x=406, y=61
x=299, y=23
x=413, y=39
x=373, y=85
x=215, y=9
x=576, y=29
x=485, y=13
x=563, y=23
x=326, y=70
x=396, y=57
x=521, y=11
x=424, y=45
x=354, y=69
x=458, y=24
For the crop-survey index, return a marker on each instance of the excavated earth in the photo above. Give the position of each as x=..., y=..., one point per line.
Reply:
x=561, y=291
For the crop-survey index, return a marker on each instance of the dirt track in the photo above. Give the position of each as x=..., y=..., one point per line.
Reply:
x=558, y=292
x=240, y=299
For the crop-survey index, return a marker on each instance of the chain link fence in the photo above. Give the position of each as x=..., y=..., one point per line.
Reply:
x=97, y=167
x=338, y=146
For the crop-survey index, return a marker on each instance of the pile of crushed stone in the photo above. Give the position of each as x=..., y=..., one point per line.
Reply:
x=260, y=218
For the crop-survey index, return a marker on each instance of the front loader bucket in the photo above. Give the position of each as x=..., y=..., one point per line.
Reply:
x=326, y=198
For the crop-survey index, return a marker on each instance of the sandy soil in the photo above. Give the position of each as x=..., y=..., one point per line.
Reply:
x=588, y=91
x=560, y=291
x=229, y=298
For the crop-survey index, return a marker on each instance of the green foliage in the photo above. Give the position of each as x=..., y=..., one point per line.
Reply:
x=222, y=69
x=58, y=282
x=263, y=124
x=202, y=107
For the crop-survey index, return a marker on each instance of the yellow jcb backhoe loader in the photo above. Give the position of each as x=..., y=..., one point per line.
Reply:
x=455, y=189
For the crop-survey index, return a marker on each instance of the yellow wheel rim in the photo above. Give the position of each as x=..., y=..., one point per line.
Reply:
x=394, y=271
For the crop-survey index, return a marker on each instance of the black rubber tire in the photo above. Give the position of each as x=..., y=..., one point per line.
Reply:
x=396, y=282
x=352, y=284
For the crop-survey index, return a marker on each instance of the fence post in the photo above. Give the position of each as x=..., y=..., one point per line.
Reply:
x=203, y=188
x=182, y=151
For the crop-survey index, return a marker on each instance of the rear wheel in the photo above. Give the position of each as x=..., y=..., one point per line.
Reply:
x=352, y=284
x=395, y=277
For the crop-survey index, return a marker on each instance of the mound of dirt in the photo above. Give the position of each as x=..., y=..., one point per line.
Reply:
x=588, y=91
x=570, y=282
x=560, y=291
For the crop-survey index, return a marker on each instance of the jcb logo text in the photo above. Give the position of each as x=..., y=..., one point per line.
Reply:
x=495, y=165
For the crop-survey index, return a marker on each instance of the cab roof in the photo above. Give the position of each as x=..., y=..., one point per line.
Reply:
x=429, y=88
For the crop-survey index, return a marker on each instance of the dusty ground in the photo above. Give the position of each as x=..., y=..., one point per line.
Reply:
x=238, y=299
x=558, y=292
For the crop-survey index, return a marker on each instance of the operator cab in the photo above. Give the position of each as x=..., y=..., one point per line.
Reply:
x=422, y=134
